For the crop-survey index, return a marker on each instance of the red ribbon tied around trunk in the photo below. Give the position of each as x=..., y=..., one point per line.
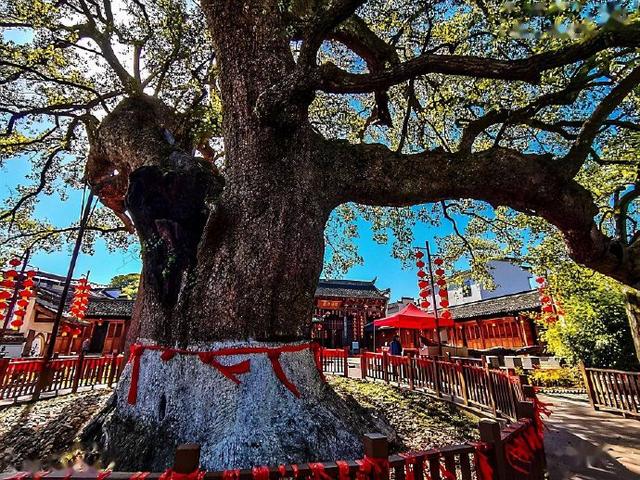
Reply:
x=231, y=474
x=274, y=356
x=482, y=462
x=229, y=371
x=135, y=352
x=318, y=471
x=343, y=470
x=260, y=473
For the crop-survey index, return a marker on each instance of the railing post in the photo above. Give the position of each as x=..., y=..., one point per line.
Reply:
x=385, y=366
x=436, y=376
x=78, y=372
x=529, y=392
x=463, y=382
x=490, y=387
x=113, y=367
x=410, y=366
x=527, y=410
x=187, y=458
x=588, y=384
x=363, y=364
x=4, y=364
x=346, y=361
x=45, y=377
x=490, y=434
x=376, y=447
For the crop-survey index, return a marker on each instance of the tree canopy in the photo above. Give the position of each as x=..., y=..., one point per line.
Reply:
x=527, y=106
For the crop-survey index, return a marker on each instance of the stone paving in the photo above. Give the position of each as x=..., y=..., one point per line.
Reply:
x=583, y=444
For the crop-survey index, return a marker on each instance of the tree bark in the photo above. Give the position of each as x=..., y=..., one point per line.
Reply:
x=633, y=314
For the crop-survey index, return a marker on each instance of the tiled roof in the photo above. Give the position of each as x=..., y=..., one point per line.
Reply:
x=515, y=303
x=348, y=288
x=100, y=304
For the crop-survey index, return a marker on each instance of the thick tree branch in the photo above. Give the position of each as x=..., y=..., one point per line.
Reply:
x=335, y=80
x=371, y=174
x=320, y=26
x=591, y=127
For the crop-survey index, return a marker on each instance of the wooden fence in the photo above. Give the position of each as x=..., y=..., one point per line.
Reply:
x=492, y=391
x=613, y=390
x=21, y=378
x=514, y=452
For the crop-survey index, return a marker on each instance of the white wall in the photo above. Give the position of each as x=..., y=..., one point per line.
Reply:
x=508, y=278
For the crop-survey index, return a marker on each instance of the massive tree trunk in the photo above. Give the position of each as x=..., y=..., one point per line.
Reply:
x=232, y=259
x=633, y=315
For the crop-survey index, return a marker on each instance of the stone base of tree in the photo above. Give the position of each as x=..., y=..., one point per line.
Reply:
x=258, y=422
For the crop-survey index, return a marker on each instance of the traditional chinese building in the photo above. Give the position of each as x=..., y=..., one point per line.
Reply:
x=105, y=323
x=343, y=308
x=504, y=322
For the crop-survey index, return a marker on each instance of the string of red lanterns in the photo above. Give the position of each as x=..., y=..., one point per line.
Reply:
x=80, y=300
x=423, y=281
x=10, y=283
x=550, y=312
x=443, y=291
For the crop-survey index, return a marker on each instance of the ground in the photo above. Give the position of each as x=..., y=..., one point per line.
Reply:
x=48, y=429
x=582, y=444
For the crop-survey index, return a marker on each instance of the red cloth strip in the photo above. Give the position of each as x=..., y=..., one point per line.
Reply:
x=40, y=474
x=409, y=467
x=231, y=474
x=19, y=476
x=136, y=352
x=446, y=473
x=104, y=474
x=318, y=471
x=139, y=476
x=343, y=470
x=260, y=473
x=277, y=369
x=482, y=462
x=376, y=467
x=171, y=475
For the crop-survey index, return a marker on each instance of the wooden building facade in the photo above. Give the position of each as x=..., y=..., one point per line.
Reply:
x=343, y=308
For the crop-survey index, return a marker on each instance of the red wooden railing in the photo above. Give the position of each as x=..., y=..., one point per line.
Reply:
x=494, y=391
x=19, y=377
x=335, y=360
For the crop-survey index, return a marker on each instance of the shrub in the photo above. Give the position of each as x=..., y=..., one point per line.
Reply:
x=558, y=377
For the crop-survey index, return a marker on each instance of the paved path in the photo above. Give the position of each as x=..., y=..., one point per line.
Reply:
x=588, y=445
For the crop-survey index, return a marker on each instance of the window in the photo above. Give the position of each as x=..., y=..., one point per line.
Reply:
x=466, y=288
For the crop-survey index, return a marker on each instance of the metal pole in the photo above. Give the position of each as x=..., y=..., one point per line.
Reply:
x=433, y=298
x=65, y=291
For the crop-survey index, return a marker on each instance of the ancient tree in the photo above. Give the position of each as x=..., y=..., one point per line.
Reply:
x=225, y=134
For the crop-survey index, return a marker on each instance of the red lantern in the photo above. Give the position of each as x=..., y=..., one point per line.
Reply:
x=424, y=304
x=420, y=264
x=419, y=254
x=31, y=273
x=547, y=309
x=20, y=312
x=446, y=314
x=442, y=292
x=444, y=303
x=423, y=284
x=14, y=262
x=5, y=295
x=441, y=281
x=438, y=261
x=22, y=303
x=3, y=305
x=424, y=293
x=10, y=273
x=540, y=280
x=421, y=273
x=17, y=323
x=439, y=272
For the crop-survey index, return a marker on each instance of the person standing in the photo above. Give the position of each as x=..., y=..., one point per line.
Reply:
x=395, y=347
